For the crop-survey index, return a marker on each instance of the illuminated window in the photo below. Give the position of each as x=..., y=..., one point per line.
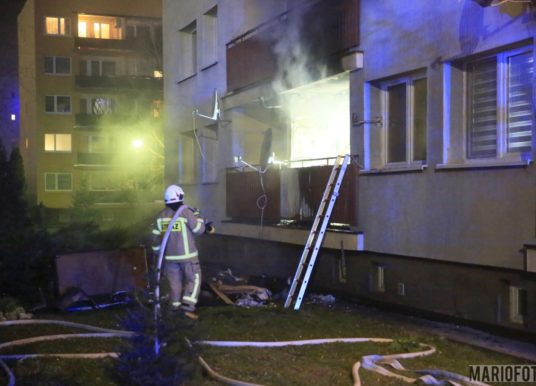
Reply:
x=499, y=104
x=319, y=124
x=58, y=182
x=188, y=49
x=57, y=65
x=404, y=114
x=58, y=104
x=100, y=27
x=58, y=142
x=101, y=30
x=13, y=117
x=82, y=29
x=57, y=26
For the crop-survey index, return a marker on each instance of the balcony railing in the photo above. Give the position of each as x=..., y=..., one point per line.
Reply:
x=130, y=44
x=291, y=194
x=94, y=159
x=327, y=29
x=120, y=82
x=94, y=121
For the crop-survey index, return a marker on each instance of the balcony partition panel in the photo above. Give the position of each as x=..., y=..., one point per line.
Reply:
x=292, y=193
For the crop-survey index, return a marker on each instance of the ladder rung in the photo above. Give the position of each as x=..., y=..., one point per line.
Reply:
x=308, y=258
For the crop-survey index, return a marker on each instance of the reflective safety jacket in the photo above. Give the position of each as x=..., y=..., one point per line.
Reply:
x=181, y=244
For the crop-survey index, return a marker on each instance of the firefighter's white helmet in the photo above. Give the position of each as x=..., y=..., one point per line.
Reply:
x=173, y=194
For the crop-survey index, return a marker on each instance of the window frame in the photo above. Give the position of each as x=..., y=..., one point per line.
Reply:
x=56, y=179
x=55, y=135
x=87, y=63
x=209, y=38
x=189, y=47
x=501, y=151
x=56, y=105
x=110, y=103
x=67, y=24
x=409, y=81
x=55, y=66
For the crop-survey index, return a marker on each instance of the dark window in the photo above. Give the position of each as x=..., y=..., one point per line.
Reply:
x=397, y=123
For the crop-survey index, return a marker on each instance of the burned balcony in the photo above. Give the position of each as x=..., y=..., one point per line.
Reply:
x=324, y=31
x=291, y=195
x=120, y=82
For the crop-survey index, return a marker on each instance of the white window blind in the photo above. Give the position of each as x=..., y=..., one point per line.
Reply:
x=499, y=99
x=519, y=121
x=483, y=109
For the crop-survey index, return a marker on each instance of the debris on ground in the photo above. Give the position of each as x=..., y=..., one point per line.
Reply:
x=327, y=300
x=257, y=291
x=240, y=291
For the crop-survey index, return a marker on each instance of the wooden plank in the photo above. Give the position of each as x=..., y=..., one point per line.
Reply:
x=220, y=294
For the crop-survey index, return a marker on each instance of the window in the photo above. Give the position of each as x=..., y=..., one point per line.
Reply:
x=101, y=144
x=82, y=29
x=186, y=160
x=499, y=104
x=58, y=182
x=100, y=27
x=188, y=49
x=97, y=105
x=108, y=68
x=404, y=114
x=57, y=26
x=57, y=65
x=58, y=104
x=97, y=67
x=58, y=142
x=210, y=37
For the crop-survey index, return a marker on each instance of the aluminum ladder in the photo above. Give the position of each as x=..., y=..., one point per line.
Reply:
x=318, y=229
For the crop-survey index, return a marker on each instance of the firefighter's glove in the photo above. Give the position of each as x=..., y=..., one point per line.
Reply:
x=209, y=228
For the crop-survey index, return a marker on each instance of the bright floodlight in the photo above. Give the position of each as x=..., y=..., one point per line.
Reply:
x=137, y=143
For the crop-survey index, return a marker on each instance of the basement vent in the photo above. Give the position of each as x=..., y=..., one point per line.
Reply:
x=377, y=279
x=401, y=289
x=518, y=304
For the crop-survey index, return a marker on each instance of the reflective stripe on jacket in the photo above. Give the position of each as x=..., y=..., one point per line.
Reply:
x=181, y=244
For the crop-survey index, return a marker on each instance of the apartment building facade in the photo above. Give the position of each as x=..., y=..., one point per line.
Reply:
x=434, y=99
x=91, y=95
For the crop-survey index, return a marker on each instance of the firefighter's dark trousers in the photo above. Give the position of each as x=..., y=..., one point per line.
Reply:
x=185, y=283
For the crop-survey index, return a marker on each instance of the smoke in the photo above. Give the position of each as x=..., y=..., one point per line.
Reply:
x=295, y=65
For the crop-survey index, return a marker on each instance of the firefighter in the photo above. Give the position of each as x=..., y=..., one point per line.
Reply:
x=181, y=261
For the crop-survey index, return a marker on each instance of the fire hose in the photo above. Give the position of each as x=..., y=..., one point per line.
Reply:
x=98, y=332
x=161, y=252
x=370, y=362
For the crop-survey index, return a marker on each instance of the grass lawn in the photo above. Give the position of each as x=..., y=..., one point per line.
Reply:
x=319, y=365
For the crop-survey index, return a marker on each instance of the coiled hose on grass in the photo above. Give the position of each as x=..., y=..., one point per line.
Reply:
x=373, y=363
